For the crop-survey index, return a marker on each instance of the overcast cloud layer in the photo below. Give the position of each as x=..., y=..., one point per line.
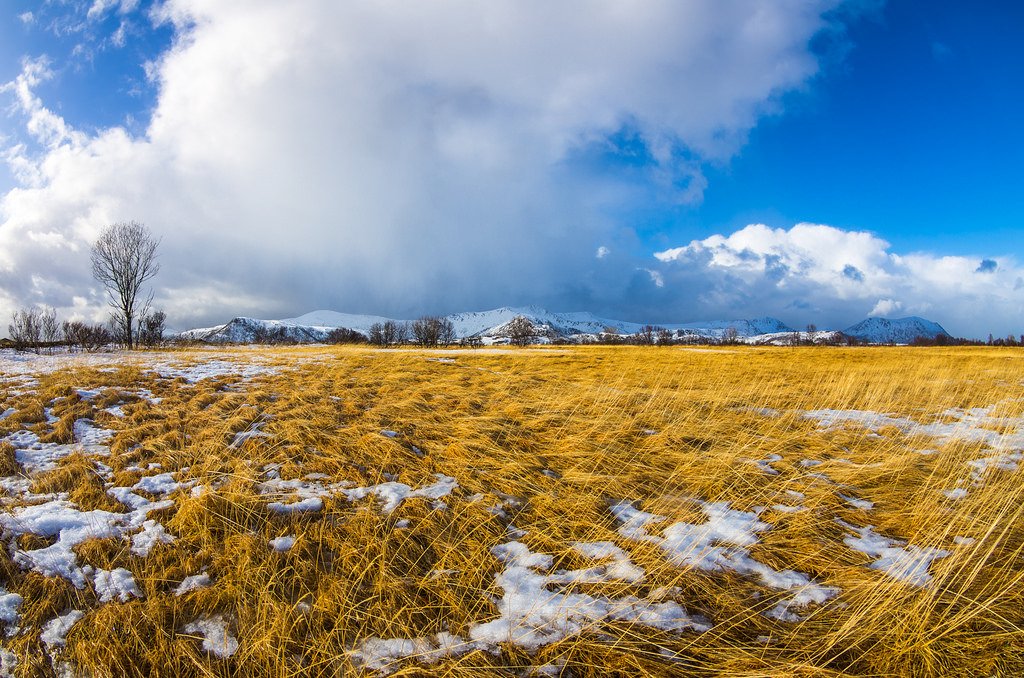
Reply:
x=403, y=158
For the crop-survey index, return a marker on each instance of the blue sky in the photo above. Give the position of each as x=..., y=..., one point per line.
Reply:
x=440, y=159
x=913, y=132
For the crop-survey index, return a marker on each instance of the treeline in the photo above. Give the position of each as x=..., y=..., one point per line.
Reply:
x=32, y=329
x=946, y=340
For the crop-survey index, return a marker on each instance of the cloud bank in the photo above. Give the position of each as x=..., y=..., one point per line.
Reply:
x=401, y=158
x=833, y=277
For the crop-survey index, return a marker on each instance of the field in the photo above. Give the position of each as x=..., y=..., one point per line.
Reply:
x=581, y=511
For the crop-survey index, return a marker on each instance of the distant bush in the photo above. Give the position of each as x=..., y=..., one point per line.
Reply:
x=343, y=335
x=520, y=330
x=151, y=328
x=26, y=329
x=389, y=333
x=82, y=335
x=433, y=331
x=273, y=335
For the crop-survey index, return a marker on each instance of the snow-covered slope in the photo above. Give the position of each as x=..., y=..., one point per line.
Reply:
x=252, y=330
x=898, y=331
x=493, y=326
x=315, y=326
x=332, y=319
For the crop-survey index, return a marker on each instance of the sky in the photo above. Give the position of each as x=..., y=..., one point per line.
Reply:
x=657, y=161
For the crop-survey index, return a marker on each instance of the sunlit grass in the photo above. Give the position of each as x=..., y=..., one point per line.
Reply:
x=551, y=437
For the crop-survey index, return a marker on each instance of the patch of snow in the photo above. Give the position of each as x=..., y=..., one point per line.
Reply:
x=963, y=541
x=9, y=603
x=1005, y=435
x=216, y=634
x=387, y=433
x=6, y=413
x=8, y=663
x=956, y=493
x=152, y=533
x=56, y=630
x=214, y=369
x=392, y=493
x=192, y=583
x=251, y=433
x=721, y=544
x=895, y=558
x=532, y=614
x=118, y=583
x=282, y=544
x=766, y=464
x=161, y=484
x=862, y=504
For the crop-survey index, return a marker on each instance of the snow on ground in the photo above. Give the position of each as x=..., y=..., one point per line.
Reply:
x=282, y=544
x=193, y=583
x=214, y=369
x=216, y=634
x=1005, y=435
x=721, y=544
x=116, y=584
x=537, y=609
x=9, y=603
x=56, y=630
x=308, y=495
x=897, y=559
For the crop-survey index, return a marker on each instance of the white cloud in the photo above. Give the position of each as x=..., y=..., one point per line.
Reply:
x=395, y=157
x=886, y=308
x=602, y=252
x=828, y=275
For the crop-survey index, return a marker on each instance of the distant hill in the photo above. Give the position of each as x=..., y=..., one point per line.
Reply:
x=899, y=331
x=487, y=325
x=492, y=327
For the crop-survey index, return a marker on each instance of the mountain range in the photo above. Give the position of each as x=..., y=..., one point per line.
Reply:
x=491, y=327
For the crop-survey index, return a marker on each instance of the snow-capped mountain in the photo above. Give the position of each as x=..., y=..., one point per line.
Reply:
x=315, y=326
x=492, y=326
x=899, y=331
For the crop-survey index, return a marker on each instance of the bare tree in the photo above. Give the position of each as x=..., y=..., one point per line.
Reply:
x=646, y=335
x=730, y=336
x=26, y=329
x=446, y=332
x=425, y=330
x=123, y=260
x=151, y=328
x=520, y=330
x=48, y=327
x=88, y=337
x=665, y=337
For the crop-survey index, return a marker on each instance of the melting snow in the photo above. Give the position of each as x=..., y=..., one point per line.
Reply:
x=118, y=583
x=9, y=603
x=216, y=634
x=309, y=495
x=894, y=557
x=533, y=615
x=282, y=544
x=192, y=583
x=766, y=464
x=720, y=544
x=862, y=504
x=214, y=369
x=152, y=533
x=976, y=425
x=56, y=630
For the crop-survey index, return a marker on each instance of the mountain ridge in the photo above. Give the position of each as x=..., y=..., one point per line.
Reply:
x=491, y=327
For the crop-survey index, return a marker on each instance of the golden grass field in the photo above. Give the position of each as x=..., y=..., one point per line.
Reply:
x=550, y=448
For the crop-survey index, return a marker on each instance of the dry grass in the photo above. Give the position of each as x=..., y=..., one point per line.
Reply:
x=554, y=437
